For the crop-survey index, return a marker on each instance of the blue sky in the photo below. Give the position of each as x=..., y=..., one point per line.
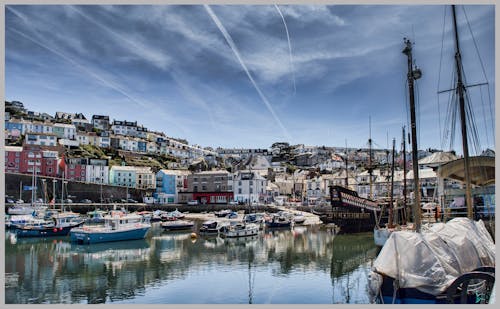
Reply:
x=251, y=75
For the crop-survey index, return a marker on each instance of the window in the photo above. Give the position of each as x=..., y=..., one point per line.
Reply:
x=251, y=190
x=195, y=188
x=239, y=183
x=239, y=191
x=230, y=188
x=251, y=182
x=204, y=187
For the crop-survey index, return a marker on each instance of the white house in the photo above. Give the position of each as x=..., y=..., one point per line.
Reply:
x=42, y=139
x=97, y=171
x=130, y=144
x=249, y=186
x=63, y=130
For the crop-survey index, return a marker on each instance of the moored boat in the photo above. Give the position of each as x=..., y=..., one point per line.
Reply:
x=211, y=227
x=59, y=225
x=176, y=225
x=222, y=213
x=279, y=221
x=117, y=227
x=239, y=229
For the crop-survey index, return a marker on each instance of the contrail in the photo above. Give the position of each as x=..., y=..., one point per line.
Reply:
x=289, y=48
x=90, y=72
x=230, y=41
x=155, y=57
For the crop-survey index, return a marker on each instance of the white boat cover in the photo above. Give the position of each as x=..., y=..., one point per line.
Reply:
x=429, y=261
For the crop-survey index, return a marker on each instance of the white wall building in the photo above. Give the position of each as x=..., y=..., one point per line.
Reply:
x=97, y=171
x=249, y=186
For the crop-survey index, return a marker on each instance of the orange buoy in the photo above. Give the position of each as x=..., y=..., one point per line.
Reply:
x=193, y=235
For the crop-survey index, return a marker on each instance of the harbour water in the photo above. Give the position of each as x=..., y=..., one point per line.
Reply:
x=305, y=265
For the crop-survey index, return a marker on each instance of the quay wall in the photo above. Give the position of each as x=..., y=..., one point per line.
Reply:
x=76, y=189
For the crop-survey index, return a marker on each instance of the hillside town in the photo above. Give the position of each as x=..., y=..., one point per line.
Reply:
x=123, y=153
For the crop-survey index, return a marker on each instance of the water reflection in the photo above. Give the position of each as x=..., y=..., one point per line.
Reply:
x=303, y=265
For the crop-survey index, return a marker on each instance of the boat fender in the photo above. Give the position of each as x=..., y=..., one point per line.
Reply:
x=55, y=230
x=193, y=235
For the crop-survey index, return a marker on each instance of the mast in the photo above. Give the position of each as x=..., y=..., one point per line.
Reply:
x=404, y=175
x=346, y=169
x=370, y=168
x=460, y=90
x=391, y=200
x=413, y=75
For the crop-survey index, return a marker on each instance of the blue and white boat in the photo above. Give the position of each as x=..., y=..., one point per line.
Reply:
x=59, y=225
x=117, y=226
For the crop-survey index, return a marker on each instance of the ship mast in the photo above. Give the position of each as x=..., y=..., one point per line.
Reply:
x=413, y=74
x=370, y=167
x=391, y=201
x=405, y=203
x=346, y=169
x=460, y=90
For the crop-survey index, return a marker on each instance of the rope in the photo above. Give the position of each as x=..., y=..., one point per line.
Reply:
x=439, y=74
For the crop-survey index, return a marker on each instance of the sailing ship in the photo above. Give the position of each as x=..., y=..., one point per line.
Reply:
x=350, y=212
x=450, y=262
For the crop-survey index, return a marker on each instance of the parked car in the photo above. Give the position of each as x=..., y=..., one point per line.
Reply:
x=68, y=201
x=131, y=200
x=9, y=201
x=233, y=203
x=19, y=201
x=193, y=202
x=86, y=201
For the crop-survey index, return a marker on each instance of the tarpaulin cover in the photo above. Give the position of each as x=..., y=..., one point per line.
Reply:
x=432, y=259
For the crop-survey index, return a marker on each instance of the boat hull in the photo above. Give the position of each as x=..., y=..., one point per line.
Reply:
x=44, y=232
x=278, y=224
x=177, y=227
x=91, y=237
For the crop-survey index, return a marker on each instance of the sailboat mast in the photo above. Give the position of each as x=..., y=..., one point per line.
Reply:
x=370, y=168
x=412, y=75
x=460, y=90
x=404, y=174
x=346, y=169
x=391, y=200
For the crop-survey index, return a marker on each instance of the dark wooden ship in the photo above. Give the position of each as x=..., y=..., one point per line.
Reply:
x=350, y=212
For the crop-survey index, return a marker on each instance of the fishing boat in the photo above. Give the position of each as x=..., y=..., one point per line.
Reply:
x=118, y=226
x=176, y=225
x=60, y=225
x=452, y=262
x=239, y=229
